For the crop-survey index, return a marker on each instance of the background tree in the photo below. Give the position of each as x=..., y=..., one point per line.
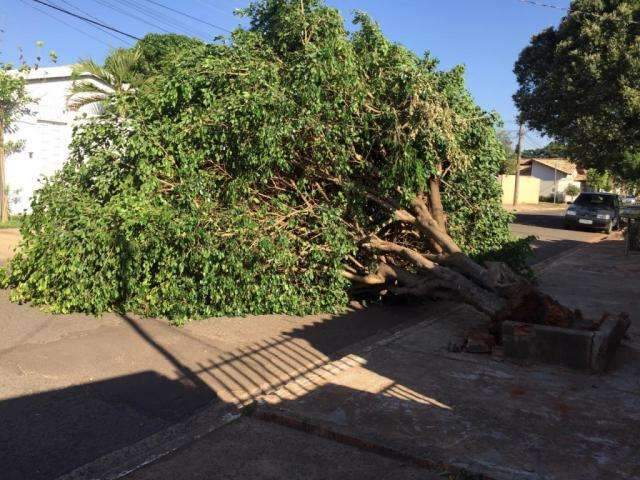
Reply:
x=13, y=103
x=580, y=84
x=118, y=75
x=572, y=190
x=599, y=181
x=508, y=166
x=553, y=149
x=280, y=172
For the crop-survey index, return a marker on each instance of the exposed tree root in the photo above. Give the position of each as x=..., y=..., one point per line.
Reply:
x=441, y=270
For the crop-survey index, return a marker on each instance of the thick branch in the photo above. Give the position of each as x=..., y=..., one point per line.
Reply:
x=435, y=202
x=408, y=254
x=370, y=279
x=430, y=227
x=461, y=263
x=442, y=277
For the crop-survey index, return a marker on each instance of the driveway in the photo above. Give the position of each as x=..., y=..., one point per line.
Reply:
x=547, y=225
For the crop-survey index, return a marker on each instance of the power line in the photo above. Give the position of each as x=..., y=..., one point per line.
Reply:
x=130, y=15
x=545, y=5
x=73, y=27
x=188, y=16
x=566, y=9
x=94, y=22
x=214, y=7
x=111, y=34
x=162, y=18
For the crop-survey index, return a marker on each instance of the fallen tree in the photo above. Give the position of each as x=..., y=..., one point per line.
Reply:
x=277, y=173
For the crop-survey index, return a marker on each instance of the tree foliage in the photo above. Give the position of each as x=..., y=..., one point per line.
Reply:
x=13, y=97
x=159, y=50
x=580, y=83
x=553, y=149
x=599, y=181
x=510, y=161
x=260, y=174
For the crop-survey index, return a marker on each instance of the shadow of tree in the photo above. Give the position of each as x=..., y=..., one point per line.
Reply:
x=48, y=434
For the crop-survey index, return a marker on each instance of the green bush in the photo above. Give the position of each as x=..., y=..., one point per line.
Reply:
x=572, y=190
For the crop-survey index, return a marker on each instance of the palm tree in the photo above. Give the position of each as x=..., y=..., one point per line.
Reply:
x=120, y=74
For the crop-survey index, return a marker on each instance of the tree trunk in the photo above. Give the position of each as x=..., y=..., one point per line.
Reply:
x=4, y=205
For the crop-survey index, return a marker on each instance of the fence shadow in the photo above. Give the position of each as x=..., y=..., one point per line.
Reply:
x=47, y=434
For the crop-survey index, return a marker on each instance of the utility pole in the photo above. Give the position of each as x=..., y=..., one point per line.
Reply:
x=555, y=183
x=519, y=160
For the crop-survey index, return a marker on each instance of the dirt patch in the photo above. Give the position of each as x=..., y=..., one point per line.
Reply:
x=9, y=240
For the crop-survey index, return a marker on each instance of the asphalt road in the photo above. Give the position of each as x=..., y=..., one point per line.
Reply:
x=552, y=238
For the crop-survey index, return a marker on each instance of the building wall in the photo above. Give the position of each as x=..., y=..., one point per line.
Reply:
x=528, y=189
x=46, y=132
x=547, y=178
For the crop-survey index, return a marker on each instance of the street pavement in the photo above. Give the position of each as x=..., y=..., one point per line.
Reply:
x=546, y=224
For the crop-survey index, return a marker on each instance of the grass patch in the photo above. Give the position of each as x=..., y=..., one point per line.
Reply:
x=14, y=222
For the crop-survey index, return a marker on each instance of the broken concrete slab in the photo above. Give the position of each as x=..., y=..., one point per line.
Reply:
x=581, y=349
x=563, y=346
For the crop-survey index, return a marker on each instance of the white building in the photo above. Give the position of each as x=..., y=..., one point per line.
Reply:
x=555, y=175
x=45, y=133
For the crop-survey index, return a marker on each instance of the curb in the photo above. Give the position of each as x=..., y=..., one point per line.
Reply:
x=335, y=433
x=127, y=460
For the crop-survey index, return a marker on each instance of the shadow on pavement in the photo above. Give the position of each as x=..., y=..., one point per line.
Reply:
x=544, y=250
x=48, y=434
x=540, y=220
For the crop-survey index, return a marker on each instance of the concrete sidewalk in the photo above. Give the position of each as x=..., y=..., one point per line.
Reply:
x=486, y=415
x=76, y=387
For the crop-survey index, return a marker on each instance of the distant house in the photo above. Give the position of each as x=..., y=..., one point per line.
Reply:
x=555, y=175
x=45, y=133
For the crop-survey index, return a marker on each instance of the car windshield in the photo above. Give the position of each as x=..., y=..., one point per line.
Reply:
x=595, y=200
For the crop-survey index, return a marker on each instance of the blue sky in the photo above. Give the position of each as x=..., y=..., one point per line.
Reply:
x=484, y=35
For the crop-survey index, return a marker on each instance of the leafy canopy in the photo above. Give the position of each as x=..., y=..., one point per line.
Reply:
x=237, y=181
x=13, y=97
x=158, y=51
x=580, y=83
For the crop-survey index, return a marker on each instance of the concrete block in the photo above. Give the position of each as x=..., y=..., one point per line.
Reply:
x=606, y=341
x=557, y=345
x=582, y=349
